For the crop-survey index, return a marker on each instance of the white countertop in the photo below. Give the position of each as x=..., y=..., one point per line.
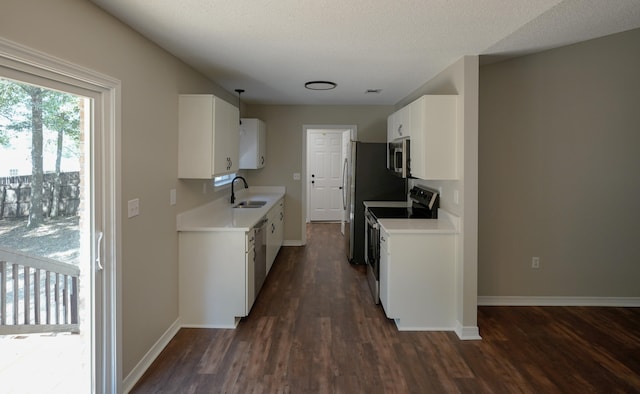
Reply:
x=385, y=204
x=219, y=215
x=446, y=223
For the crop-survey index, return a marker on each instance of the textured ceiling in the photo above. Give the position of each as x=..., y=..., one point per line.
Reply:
x=270, y=48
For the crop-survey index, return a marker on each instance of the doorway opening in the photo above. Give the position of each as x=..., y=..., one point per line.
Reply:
x=59, y=186
x=326, y=148
x=45, y=281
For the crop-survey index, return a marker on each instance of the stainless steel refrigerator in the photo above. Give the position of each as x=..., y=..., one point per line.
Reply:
x=366, y=178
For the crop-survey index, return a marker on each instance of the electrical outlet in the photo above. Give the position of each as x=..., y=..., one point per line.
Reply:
x=535, y=263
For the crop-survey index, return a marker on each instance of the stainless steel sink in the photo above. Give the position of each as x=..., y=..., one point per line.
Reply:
x=250, y=204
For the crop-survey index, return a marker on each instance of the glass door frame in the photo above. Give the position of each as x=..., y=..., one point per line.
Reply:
x=24, y=64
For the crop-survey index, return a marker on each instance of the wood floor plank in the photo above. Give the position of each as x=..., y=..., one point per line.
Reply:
x=315, y=329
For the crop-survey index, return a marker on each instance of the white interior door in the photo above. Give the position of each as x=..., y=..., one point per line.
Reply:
x=325, y=175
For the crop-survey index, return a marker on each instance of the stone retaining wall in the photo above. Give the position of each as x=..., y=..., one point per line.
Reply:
x=15, y=195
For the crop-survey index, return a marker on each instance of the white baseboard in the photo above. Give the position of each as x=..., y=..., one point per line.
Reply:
x=558, y=301
x=150, y=357
x=468, y=333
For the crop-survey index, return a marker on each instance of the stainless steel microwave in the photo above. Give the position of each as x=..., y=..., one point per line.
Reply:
x=398, y=158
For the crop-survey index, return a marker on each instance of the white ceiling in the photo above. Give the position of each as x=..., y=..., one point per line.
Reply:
x=270, y=48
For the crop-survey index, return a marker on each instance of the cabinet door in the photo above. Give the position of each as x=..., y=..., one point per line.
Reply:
x=271, y=237
x=253, y=150
x=391, y=124
x=250, y=263
x=280, y=225
x=399, y=124
x=275, y=231
x=434, y=137
x=262, y=145
x=384, y=273
x=226, y=140
x=212, y=278
x=207, y=137
x=403, y=127
x=195, y=136
x=420, y=281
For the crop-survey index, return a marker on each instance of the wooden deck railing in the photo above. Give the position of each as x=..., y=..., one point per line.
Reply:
x=37, y=294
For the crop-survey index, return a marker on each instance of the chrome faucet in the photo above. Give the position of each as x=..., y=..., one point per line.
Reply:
x=246, y=186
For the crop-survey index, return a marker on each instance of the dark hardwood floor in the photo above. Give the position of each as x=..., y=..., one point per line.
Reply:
x=315, y=329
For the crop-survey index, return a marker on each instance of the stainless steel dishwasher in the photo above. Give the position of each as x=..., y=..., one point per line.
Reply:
x=260, y=256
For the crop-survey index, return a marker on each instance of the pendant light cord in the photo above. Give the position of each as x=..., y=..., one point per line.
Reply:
x=239, y=91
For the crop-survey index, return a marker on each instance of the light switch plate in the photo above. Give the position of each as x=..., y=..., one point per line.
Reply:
x=172, y=197
x=133, y=207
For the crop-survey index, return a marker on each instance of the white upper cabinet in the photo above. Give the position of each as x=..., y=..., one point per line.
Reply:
x=253, y=143
x=399, y=124
x=208, y=137
x=434, y=137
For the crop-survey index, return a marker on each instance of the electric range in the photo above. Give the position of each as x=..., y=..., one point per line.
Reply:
x=425, y=204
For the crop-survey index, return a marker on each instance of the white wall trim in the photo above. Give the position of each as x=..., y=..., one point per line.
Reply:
x=296, y=242
x=153, y=353
x=558, y=301
x=469, y=333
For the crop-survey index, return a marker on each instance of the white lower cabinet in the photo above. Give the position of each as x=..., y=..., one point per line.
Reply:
x=215, y=278
x=250, y=259
x=275, y=232
x=384, y=271
x=417, y=280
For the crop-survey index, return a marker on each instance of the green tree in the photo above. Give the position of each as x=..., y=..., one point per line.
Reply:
x=32, y=108
x=10, y=100
x=61, y=114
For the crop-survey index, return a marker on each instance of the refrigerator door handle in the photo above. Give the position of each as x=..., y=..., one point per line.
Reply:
x=344, y=184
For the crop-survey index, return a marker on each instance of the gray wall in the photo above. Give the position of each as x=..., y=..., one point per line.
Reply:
x=81, y=33
x=285, y=147
x=560, y=171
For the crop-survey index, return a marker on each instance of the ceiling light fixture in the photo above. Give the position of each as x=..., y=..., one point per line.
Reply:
x=320, y=85
x=239, y=91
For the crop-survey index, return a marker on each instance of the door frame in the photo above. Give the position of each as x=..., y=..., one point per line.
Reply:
x=107, y=104
x=305, y=195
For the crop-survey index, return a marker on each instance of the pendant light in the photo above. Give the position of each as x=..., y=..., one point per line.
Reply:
x=239, y=91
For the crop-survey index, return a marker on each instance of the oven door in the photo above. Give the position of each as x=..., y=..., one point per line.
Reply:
x=372, y=255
